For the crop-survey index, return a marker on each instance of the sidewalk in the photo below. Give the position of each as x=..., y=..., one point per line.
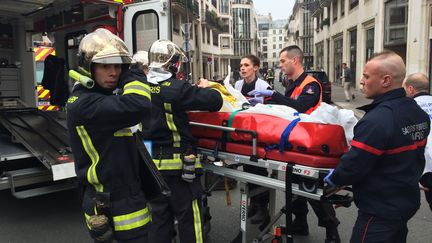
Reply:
x=338, y=97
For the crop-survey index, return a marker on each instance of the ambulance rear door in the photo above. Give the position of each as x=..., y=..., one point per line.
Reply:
x=146, y=22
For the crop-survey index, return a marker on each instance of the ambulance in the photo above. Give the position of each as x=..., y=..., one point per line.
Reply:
x=39, y=42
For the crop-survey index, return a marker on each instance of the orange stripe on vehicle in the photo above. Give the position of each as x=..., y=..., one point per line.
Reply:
x=42, y=54
x=44, y=95
x=36, y=50
x=52, y=108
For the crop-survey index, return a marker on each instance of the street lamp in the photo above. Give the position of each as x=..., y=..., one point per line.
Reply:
x=186, y=32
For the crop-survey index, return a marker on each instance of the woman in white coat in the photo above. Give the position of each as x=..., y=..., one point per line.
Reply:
x=249, y=66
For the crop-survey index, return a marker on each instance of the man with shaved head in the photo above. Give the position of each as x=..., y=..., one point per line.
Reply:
x=417, y=86
x=386, y=158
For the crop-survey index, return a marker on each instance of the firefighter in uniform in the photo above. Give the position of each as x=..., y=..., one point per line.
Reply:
x=270, y=77
x=173, y=145
x=304, y=93
x=386, y=159
x=106, y=156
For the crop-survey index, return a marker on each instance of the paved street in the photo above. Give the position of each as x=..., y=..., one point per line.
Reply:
x=57, y=218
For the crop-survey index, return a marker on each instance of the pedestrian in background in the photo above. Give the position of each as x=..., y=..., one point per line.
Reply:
x=347, y=81
x=386, y=159
x=417, y=86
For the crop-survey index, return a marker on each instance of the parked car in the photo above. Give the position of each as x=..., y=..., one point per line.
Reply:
x=322, y=77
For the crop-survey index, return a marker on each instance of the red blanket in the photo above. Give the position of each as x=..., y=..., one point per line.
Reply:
x=305, y=137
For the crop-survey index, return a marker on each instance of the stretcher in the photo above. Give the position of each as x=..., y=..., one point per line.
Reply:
x=297, y=172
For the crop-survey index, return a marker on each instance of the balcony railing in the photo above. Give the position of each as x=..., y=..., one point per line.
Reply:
x=193, y=5
x=213, y=20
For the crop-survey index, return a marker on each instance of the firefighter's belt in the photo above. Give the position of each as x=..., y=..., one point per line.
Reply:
x=167, y=152
x=122, y=192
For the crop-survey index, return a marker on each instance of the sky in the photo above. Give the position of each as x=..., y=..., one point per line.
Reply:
x=279, y=9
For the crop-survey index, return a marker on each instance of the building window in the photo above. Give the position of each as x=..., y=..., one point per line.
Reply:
x=335, y=11
x=280, y=46
x=146, y=30
x=264, y=48
x=370, y=33
x=337, y=59
x=280, y=38
x=265, y=41
x=224, y=7
x=274, y=54
x=342, y=6
x=353, y=3
x=320, y=56
x=274, y=32
x=176, y=23
x=274, y=38
x=353, y=52
x=396, y=19
x=274, y=46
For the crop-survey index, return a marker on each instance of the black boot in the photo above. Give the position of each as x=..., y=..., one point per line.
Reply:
x=264, y=223
x=252, y=210
x=332, y=235
x=353, y=97
x=261, y=215
x=300, y=226
x=238, y=238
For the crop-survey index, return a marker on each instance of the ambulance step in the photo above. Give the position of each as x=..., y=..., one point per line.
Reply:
x=21, y=180
x=43, y=190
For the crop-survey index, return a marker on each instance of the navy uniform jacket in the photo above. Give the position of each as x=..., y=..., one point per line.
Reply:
x=170, y=132
x=386, y=159
x=309, y=97
x=105, y=151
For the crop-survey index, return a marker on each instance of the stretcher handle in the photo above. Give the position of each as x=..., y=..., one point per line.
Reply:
x=231, y=129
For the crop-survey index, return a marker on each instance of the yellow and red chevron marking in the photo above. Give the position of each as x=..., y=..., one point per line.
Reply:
x=43, y=93
x=48, y=107
x=41, y=53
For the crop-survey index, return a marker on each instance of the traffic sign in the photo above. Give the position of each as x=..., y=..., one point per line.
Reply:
x=187, y=46
x=185, y=28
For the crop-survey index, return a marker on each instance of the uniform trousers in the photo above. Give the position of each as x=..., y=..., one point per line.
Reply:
x=324, y=211
x=260, y=200
x=184, y=204
x=373, y=229
x=348, y=90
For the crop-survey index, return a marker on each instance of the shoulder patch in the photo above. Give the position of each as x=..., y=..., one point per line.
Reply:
x=310, y=90
x=72, y=99
x=166, y=83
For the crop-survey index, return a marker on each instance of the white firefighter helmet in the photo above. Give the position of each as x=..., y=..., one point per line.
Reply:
x=101, y=46
x=141, y=58
x=166, y=55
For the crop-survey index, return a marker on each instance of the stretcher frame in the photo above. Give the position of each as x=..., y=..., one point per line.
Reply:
x=245, y=178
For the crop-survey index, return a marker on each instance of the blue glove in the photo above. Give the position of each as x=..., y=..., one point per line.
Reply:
x=327, y=180
x=256, y=100
x=264, y=93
